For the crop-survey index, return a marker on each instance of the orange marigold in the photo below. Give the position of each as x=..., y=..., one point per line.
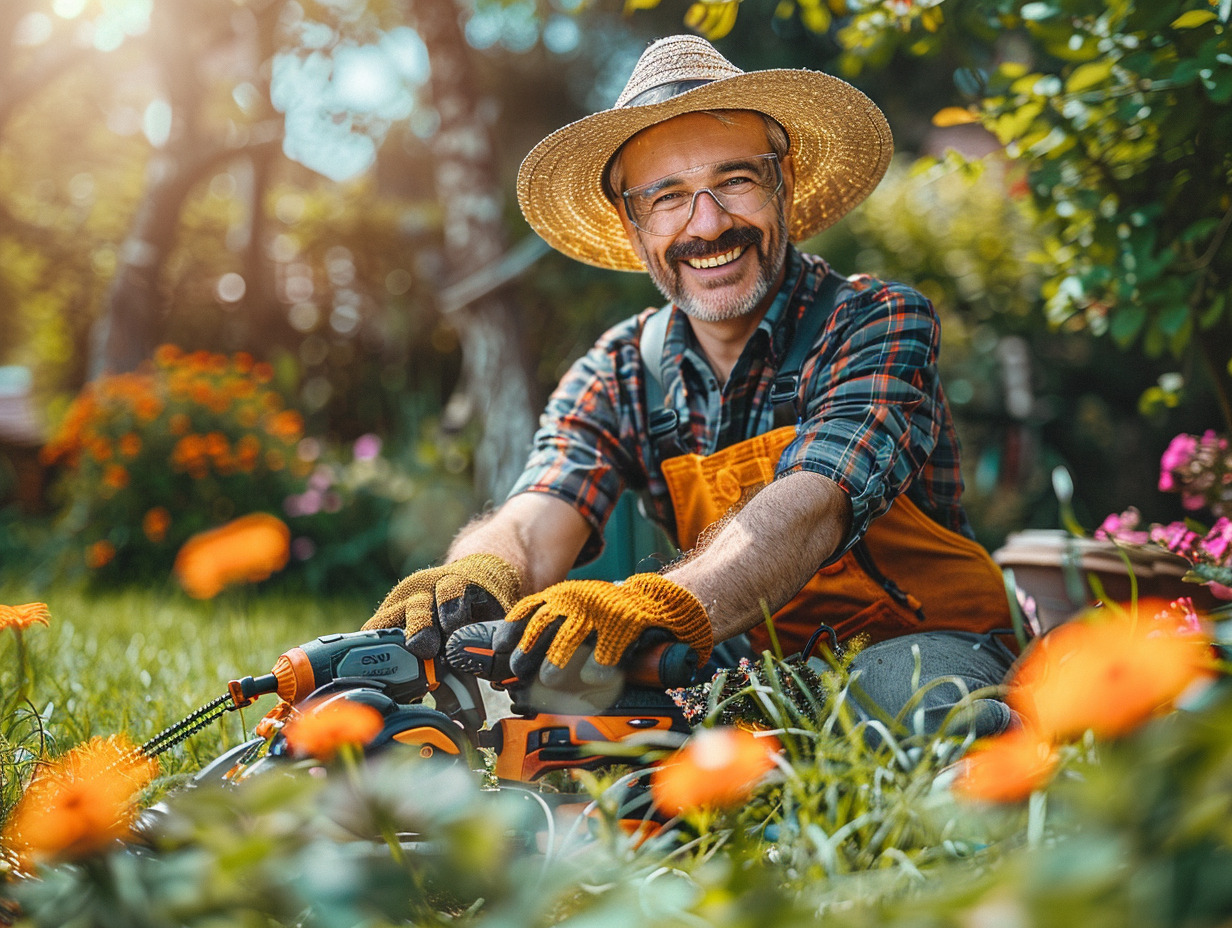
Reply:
x=19, y=618
x=115, y=477
x=130, y=444
x=79, y=803
x=287, y=425
x=1108, y=671
x=717, y=767
x=320, y=730
x=245, y=550
x=1006, y=768
x=100, y=554
x=155, y=523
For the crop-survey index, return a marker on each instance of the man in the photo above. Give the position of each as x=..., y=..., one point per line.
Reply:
x=703, y=175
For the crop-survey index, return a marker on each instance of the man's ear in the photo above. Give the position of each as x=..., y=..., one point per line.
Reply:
x=631, y=233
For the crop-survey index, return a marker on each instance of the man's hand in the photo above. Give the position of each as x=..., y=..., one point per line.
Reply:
x=543, y=633
x=432, y=603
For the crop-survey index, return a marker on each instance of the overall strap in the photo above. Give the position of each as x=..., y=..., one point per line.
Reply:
x=663, y=422
x=784, y=392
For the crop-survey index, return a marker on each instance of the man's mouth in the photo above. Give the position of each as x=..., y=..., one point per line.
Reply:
x=716, y=260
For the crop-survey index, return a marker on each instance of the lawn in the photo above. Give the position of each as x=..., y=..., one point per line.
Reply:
x=1111, y=824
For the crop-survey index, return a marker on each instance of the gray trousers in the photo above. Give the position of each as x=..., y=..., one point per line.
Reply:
x=961, y=662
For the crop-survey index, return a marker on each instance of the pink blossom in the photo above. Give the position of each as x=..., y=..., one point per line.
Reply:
x=1176, y=456
x=1123, y=528
x=367, y=447
x=1218, y=540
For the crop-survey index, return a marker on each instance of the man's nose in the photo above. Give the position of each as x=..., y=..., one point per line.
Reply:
x=707, y=217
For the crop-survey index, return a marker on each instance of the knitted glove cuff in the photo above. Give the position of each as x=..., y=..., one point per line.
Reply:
x=683, y=614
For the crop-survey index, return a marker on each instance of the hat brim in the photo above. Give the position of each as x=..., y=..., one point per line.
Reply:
x=840, y=146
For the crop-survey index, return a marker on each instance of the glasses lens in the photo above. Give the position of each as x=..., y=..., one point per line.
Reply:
x=741, y=186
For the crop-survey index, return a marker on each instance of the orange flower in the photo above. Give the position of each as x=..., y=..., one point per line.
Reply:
x=19, y=618
x=718, y=767
x=1108, y=672
x=130, y=444
x=166, y=355
x=263, y=372
x=115, y=477
x=287, y=425
x=155, y=524
x=179, y=424
x=1007, y=768
x=100, y=554
x=79, y=803
x=245, y=550
x=321, y=729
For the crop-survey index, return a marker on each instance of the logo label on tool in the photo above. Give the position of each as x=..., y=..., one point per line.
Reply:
x=389, y=662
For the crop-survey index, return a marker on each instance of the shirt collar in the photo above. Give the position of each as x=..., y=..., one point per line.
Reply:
x=777, y=323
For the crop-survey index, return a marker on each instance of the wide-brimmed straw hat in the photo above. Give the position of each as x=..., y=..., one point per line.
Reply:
x=840, y=145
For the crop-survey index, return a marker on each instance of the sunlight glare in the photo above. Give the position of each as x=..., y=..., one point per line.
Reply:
x=156, y=123
x=68, y=9
x=32, y=29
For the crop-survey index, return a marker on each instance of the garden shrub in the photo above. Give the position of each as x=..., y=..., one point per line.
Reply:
x=184, y=444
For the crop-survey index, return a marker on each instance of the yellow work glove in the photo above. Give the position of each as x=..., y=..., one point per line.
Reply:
x=543, y=632
x=432, y=603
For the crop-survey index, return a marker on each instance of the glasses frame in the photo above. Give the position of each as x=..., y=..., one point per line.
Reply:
x=773, y=157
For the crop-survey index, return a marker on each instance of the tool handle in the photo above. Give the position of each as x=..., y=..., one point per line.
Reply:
x=663, y=665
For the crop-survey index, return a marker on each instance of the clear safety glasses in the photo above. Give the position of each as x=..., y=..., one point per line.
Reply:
x=741, y=186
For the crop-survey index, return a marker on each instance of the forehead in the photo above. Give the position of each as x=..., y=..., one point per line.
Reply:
x=689, y=140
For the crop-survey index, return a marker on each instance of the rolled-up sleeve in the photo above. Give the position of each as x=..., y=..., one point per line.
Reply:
x=873, y=409
x=577, y=454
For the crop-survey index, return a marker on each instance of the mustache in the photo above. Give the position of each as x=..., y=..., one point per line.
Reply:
x=738, y=237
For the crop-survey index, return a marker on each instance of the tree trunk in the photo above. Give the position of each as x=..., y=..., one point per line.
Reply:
x=497, y=382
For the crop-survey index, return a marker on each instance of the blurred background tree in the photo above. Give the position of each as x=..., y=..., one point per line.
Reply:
x=328, y=185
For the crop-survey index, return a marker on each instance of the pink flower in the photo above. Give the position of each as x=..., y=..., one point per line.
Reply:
x=1219, y=539
x=1123, y=528
x=1176, y=456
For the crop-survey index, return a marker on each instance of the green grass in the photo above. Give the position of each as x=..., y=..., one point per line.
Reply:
x=136, y=661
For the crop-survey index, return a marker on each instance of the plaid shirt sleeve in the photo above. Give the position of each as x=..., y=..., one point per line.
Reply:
x=585, y=450
x=874, y=411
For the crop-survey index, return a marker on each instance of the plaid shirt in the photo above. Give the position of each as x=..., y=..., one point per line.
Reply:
x=875, y=419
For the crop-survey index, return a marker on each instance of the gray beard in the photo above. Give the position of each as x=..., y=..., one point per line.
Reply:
x=698, y=306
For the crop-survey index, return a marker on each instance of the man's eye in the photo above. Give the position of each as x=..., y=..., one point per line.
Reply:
x=667, y=200
x=737, y=184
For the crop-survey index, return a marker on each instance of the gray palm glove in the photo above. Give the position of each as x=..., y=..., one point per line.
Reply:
x=433, y=603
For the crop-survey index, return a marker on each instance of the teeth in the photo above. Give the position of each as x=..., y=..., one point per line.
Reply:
x=716, y=260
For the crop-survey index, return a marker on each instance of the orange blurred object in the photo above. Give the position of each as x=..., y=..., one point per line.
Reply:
x=79, y=803
x=717, y=768
x=1110, y=670
x=320, y=730
x=1006, y=768
x=245, y=550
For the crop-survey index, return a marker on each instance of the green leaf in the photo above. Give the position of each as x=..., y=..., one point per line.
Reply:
x=1087, y=76
x=1126, y=323
x=1219, y=87
x=1182, y=336
x=1213, y=313
x=1172, y=319
x=1199, y=230
x=1194, y=18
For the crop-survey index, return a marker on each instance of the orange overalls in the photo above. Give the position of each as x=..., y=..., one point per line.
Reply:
x=907, y=574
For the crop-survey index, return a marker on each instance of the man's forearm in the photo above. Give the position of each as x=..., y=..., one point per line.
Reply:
x=767, y=552
x=538, y=534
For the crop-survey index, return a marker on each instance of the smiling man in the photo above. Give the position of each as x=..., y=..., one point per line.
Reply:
x=784, y=423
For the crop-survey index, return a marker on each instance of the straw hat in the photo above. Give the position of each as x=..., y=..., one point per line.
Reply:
x=840, y=145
